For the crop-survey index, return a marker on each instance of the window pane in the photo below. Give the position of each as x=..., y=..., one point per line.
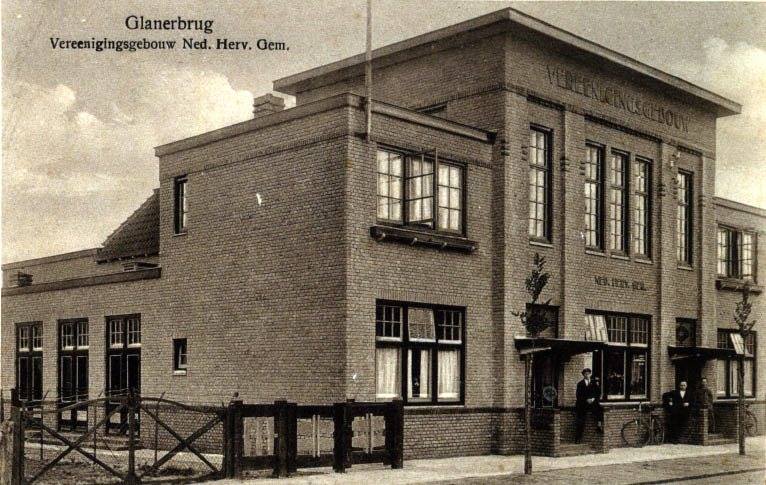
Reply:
x=388, y=322
x=638, y=375
x=748, y=382
x=449, y=325
x=746, y=256
x=419, y=375
x=389, y=186
x=539, y=167
x=24, y=338
x=720, y=372
x=387, y=372
x=618, y=329
x=733, y=369
x=639, y=331
x=82, y=335
x=420, y=322
x=449, y=197
x=67, y=336
x=116, y=333
x=684, y=218
x=593, y=214
x=449, y=374
x=134, y=332
x=37, y=337
x=615, y=378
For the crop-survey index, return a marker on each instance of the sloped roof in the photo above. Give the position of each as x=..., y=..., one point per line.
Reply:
x=138, y=236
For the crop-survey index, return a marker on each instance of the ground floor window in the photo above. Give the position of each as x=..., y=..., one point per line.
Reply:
x=419, y=352
x=29, y=361
x=727, y=368
x=623, y=366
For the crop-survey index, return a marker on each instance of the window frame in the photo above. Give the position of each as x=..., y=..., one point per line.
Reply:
x=180, y=344
x=629, y=349
x=405, y=345
x=547, y=169
x=599, y=183
x=29, y=354
x=623, y=188
x=728, y=363
x=181, y=204
x=733, y=259
x=685, y=254
x=642, y=225
x=436, y=160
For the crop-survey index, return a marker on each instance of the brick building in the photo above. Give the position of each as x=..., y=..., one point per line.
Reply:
x=288, y=257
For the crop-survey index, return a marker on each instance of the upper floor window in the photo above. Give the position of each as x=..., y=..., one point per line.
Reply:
x=29, y=337
x=684, y=235
x=124, y=331
x=421, y=191
x=180, y=204
x=539, y=184
x=736, y=253
x=642, y=207
x=594, y=188
x=618, y=218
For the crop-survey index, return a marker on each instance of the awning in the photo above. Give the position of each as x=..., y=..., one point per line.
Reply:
x=703, y=353
x=566, y=347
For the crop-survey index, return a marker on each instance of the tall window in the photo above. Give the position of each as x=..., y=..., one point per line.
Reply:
x=736, y=253
x=642, y=207
x=180, y=204
x=618, y=219
x=624, y=365
x=419, y=190
x=594, y=213
x=726, y=369
x=539, y=184
x=29, y=361
x=684, y=236
x=419, y=353
x=179, y=356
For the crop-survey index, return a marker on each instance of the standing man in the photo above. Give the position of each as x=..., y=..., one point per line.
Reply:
x=588, y=396
x=704, y=399
x=679, y=405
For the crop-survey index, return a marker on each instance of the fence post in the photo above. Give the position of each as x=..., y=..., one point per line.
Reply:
x=132, y=406
x=237, y=437
x=292, y=437
x=342, y=436
x=17, y=416
x=395, y=433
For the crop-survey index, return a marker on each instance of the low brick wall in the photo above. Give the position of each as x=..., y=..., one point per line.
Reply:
x=447, y=432
x=726, y=417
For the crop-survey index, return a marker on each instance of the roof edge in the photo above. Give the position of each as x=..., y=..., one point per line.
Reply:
x=82, y=253
x=726, y=107
x=739, y=206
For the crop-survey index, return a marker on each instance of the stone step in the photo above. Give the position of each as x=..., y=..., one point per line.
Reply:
x=575, y=449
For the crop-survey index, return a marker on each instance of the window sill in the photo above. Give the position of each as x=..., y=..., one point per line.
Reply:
x=595, y=252
x=415, y=237
x=643, y=261
x=179, y=372
x=735, y=284
x=177, y=234
x=620, y=256
x=540, y=243
x=684, y=267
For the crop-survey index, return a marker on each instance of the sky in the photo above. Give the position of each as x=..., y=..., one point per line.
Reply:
x=80, y=127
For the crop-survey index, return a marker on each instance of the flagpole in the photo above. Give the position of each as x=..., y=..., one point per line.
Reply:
x=368, y=73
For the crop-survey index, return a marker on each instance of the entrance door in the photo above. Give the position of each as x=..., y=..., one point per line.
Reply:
x=29, y=362
x=73, y=372
x=544, y=381
x=123, y=362
x=690, y=371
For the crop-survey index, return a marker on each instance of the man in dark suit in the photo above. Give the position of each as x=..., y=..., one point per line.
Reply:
x=679, y=403
x=588, y=399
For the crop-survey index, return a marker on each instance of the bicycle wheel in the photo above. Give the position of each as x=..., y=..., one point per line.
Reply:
x=658, y=432
x=635, y=433
x=751, y=424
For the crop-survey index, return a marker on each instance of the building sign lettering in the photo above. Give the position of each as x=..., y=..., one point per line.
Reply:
x=595, y=89
x=620, y=283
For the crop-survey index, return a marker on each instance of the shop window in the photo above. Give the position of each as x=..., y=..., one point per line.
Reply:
x=180, y=204
x=726, y=369
x=180, y=358
x=736, y=253
x=642, y=207
x=684, y=235
x=623, y=366
x=420, y=191
x=419, y=353
x=594, y=189
x=540, y=161
x=618, y=229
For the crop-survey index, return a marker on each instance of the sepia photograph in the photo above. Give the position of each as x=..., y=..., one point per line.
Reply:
x=383, y=241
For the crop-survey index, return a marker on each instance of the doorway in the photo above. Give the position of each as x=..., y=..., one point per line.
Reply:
x=123, y=363
x=73, y=372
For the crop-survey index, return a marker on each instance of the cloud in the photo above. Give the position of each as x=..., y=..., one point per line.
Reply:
x=737, y=71
x=74, y=157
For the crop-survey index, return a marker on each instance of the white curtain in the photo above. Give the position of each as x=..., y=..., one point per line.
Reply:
x=748, y=384
x=387, y=372
x=720, y=372
x=449, y=374
x=734, y=368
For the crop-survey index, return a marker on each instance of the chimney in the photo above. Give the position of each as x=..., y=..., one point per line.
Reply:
x=267, y=104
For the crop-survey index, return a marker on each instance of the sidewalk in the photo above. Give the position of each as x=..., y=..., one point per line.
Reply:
x=451, y=470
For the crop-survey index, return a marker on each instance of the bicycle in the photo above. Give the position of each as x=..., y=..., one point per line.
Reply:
x=751, y=422
x=643, y=430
